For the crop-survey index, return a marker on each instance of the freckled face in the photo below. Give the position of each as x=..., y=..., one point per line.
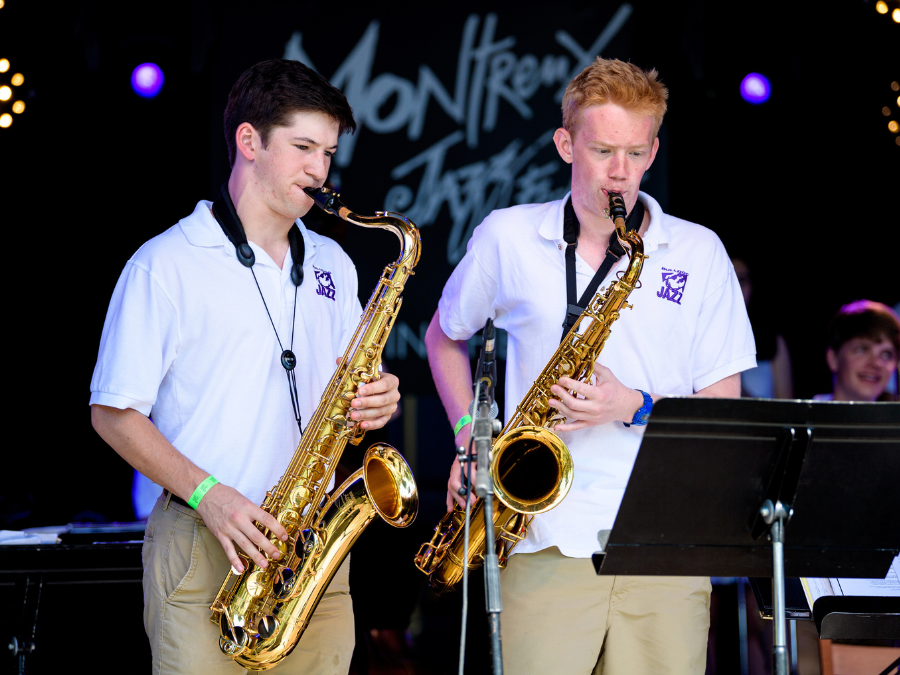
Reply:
x=295, y=156
x=862, y=368
x=609, y=152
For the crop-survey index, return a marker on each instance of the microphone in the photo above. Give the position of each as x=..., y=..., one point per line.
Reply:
x=486, y=376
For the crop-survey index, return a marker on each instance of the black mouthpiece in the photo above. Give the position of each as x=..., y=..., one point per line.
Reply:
x=325, y=199
x=616, y=206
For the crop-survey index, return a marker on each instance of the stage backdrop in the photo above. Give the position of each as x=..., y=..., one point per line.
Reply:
x=456, y=118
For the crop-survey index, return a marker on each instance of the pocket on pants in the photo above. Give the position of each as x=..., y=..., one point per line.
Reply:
x=180, y=556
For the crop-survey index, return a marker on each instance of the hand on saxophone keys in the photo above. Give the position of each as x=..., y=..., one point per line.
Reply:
x=602, y=401
x=232, y=518
x=375, y=402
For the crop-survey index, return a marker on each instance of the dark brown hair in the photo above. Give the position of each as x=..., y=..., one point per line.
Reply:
x=864, y=318
x=270, y=92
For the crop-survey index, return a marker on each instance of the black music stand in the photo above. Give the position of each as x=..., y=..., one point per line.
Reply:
x=713, y=476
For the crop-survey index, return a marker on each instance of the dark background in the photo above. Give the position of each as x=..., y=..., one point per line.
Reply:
x=803, y=187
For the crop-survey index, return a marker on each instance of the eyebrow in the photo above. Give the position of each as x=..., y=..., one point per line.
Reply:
x=310, y=141
x=614, y=145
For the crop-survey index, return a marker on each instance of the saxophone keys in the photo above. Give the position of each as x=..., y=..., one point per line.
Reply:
x=300, y=496
x=257, y=583
x=626, y=305
x=284, y=584
x=290, y=518
x=280, y=545
x=266, y=626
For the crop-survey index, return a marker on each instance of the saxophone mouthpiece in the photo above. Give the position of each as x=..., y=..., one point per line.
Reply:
x=325, y=199
x=616, y=205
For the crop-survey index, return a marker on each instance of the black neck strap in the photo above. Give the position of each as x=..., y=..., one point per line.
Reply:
x=227, y=217
x=571, y=230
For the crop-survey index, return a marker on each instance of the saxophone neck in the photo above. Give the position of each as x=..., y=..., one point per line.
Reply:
x=405, y=230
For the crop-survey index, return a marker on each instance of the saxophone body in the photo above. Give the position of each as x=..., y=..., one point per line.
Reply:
x=262, y=613
x=531, y=467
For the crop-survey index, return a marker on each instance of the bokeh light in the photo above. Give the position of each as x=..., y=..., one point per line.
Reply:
x=5, y=93
x=886, y=111
x=4, y=65
x=896, y=87
x=893, y=126
x=755, y=88
x=895, y=15
x=5, y=120
x=881, y=7
x=17, y=80
x=19, y=107
x=147, y=79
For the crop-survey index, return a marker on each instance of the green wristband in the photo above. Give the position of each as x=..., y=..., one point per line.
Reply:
x=462, y=422
x=201, y=491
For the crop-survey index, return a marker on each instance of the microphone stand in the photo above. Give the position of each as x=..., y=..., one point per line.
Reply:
x=484, y=430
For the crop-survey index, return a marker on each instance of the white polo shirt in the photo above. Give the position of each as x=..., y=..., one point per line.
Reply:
x=187, y=341
x=688, y=330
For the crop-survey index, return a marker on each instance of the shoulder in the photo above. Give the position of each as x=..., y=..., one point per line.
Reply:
x=520, y=218
x=517, y=226
x=196, y=231
x=329, y=252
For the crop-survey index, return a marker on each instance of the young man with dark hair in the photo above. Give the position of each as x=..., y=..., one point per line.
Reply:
x=863, y=347
x=190, y=384
x=688, y=334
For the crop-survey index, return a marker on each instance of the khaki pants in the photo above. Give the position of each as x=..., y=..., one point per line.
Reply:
x=184, y=566
x=559, y=616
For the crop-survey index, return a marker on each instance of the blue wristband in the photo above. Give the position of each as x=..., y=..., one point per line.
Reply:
x=642, y=416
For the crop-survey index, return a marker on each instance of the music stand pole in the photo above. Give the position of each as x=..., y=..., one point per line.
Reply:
x=775, y=516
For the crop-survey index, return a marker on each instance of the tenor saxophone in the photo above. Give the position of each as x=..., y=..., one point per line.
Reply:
x=531, y=467
x=262, y=613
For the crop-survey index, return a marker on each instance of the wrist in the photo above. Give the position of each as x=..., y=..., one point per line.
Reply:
x=200, y=491
x=641, y=414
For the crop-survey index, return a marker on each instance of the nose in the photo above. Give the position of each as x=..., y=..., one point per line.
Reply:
x=317, y=166
x=618, y=167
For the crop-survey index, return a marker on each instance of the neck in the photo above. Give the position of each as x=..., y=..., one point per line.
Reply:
x=263, y=226
x=596, y=229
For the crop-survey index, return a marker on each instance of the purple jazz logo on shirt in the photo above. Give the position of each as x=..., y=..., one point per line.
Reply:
x=673, y=285
x=326, y=285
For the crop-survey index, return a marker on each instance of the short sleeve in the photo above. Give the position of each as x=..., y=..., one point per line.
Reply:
x=138, y=345
x=470, y=294
x=724, y=342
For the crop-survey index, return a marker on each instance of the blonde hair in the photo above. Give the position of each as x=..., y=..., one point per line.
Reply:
x=614, y=81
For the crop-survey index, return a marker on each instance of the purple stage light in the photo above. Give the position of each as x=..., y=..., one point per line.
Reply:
x=755, y=88
x=147, y=79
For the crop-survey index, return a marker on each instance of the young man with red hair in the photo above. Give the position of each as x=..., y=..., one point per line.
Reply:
x=688, y=334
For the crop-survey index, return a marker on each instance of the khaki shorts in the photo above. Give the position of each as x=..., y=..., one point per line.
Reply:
x=559, y=616
x=184, y=566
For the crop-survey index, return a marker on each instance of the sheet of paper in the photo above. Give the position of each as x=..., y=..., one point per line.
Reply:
x=889, y=586
x=815, y=588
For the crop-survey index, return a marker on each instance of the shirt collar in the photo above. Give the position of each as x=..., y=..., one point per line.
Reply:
x=202, y=229
x=551, y=226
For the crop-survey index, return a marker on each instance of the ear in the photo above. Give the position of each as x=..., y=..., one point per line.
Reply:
x=247, y=141
x=564, y=145
x=832, y=360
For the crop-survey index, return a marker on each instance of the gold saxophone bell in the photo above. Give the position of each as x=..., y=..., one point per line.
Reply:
x=532, y=469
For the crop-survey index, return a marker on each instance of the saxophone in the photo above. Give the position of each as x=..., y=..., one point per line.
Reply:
x=262, y=613
x=531, y=467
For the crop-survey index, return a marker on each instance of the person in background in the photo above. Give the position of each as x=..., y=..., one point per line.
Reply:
x=772, y=376
x=863, y=347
